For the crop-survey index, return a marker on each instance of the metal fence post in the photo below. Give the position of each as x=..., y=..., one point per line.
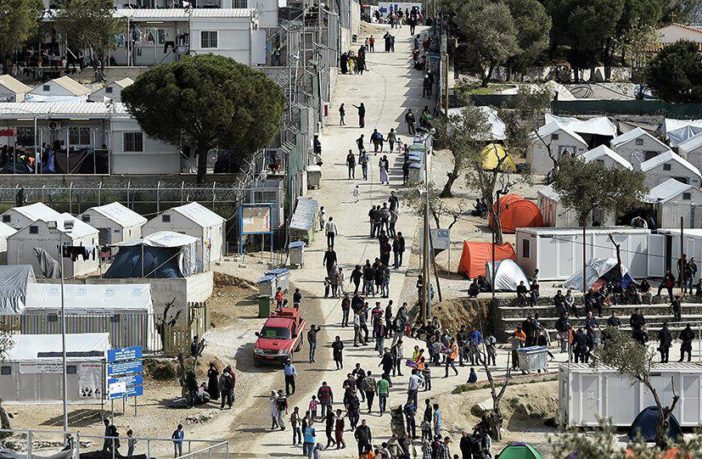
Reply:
x=214, y=185
x=158, y=197
x=100, y=194
x=77, y=444
x=128, y=186
x=182, y=191
x=30, y=443
x=70, y=198
x=148, y=448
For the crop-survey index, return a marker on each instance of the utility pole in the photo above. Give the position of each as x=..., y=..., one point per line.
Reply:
x=67, y=227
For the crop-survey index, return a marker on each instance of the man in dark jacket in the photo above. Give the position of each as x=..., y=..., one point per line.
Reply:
x=665, y=340
x=559, y=302
x=329, y=260
x=613, y=321
x=562, y=329
x=580, y=346
x=637, y=320
x=363, y=438
x=686, y=336
x=529, y=330
x=387, y=362
x=677, y=307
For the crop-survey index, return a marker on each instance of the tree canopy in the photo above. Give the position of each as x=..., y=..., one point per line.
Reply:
x=207, y=102
x=675, y=73
x=586, y=186
x=87, y=24
x=533, y=26
x=19, y=20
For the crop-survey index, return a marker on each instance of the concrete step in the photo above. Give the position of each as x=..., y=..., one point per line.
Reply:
x=621, y=310
x=652, y=329
x=550, y=321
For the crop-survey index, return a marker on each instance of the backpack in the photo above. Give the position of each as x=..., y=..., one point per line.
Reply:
x=280, y=403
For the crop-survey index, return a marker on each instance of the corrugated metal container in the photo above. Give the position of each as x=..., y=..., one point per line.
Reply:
x=587, y=394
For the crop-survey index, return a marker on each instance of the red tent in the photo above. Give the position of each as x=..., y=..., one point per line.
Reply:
x=476, y=254
x=517, y=212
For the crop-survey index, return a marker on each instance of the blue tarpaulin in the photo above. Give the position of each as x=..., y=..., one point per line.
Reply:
x=159, y=262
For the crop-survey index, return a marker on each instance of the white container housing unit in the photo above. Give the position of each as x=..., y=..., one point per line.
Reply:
x=691, y=150
x=558, y=253
x=64, y=88
x=19, y=217
x=559, y=139
x=673, y=200
x=21, y=245
x=115, y=222
x=111, y=91
x=669, y=165
x=194, y=220
x=557, y=215
x=608, y=157
x=588, y=394
x=5, y=232
x=637, y=146
x=12, y=90
x=32, y=371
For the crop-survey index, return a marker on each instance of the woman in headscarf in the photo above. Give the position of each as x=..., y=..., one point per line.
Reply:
x=213, y=382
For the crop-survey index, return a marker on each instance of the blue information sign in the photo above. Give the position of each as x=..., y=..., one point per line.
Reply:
x=124, y=353
x=124, y=371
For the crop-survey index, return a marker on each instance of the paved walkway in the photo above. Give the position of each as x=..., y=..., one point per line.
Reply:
x=388, y=89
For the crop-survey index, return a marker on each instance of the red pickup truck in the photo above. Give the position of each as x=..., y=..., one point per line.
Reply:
x=280, y=337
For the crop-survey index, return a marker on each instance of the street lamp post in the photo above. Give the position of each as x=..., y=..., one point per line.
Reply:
x=67, y=227
x=426, y=287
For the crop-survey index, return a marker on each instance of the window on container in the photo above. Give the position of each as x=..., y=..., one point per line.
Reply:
x=108, y=90
x=6, y=219
x=72, y=369
x=687, y=196
x=208, y=39
x=682, y=180
x=666, y=167
x=6, y=371
x=79, y=135
x=639, y=141
x=526, y=248
x=86, y=218
x=133, y=142
x=240, y=4
x=650, y=154
x=33, y=229
x=554, y=136
x=46, y=88
x=166, y=218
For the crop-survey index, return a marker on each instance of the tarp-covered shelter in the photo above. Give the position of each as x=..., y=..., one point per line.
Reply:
x=495, y=154
x=194, y=220
x=598, y=272
x=476, y=254
x=304, y=219
x=599, y=126
x=517, y=212
x=32, y=370
x=123, y=311
x=508, y=275
x=497, y=126
x=646, y=422
x=13, y=288
x=678, y=131
x=164, y=254
x=519, y=450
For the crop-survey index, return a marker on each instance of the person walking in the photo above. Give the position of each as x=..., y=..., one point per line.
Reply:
x=330, y=420
x=364, y=438
x=342, y=114
x=351, y=163
x=226, y=387
x=383, y=167
x=383, y=390
x=413, y=385
x=290, y=374
x=330, y=261
x=370, y=387
x=346, y=304
x=295, y=425
x=665, y=341
x=339, y=430
x=273, y=400
x=355, y=194
x=322, y=218
x=338, y=352
x=391, y=138
x=331, y=231
x=363, y=160
x=360, y=142
x=396, y=352
x=361, y=115
x=131, y=443
x=437, y=420
x=281, y=405
x=371, y=44
x=453, y=355
x=309, y=439
x=410, y=121
x=312, y=341
x=676, y=306
x=178, y=436
x=387, y=363
x=410, y=411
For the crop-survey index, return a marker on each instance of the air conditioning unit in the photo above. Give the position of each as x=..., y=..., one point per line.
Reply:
x=54, y=125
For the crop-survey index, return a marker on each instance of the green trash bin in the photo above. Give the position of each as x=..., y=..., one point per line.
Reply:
x=264, y=306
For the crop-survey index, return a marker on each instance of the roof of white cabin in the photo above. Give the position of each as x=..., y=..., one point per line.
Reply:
x=666, y=157
x=603, y=150
x=632, y=135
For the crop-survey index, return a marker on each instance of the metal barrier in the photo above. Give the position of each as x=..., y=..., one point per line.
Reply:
x=72, y=443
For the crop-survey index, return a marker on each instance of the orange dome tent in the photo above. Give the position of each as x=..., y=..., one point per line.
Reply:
x=517, y=212
x=476, y=254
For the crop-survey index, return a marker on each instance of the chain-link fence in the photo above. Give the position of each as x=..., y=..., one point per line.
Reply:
x=59, y=445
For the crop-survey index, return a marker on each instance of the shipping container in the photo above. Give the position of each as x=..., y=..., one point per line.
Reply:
x=588, y=394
